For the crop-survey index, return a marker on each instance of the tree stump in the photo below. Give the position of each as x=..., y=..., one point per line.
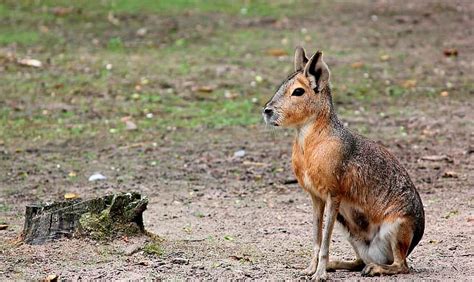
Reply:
x=99, y=218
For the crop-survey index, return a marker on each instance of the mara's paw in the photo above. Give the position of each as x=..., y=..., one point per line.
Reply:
x=371, y=269
x=320, y=276
x=311, y=269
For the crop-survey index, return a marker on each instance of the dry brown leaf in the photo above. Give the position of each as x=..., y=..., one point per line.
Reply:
x=409, y=83
x=204, y=89
x=62, y=11
x=444, y=94
x=357, y=65
x=277, y=52
x=450, y=174
x=450, y=52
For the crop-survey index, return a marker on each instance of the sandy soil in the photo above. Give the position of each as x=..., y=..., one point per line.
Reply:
x=224, y=217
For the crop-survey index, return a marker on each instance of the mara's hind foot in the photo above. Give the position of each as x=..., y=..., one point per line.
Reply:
x=311, y=269
x=355, y=265
x=373, y=269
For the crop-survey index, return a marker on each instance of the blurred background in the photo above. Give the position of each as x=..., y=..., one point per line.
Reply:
x=164, y=97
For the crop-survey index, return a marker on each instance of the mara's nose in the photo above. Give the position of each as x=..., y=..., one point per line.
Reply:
x=268, y=111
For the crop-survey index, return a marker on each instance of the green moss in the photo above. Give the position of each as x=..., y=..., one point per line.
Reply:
x=119, y=218
x=153, y=249
x=97, y=226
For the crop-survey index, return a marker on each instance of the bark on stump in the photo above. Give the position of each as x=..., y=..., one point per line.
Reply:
x=99, y=218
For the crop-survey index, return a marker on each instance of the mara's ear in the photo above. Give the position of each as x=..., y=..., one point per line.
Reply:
x=317, y=72
x=300, y=58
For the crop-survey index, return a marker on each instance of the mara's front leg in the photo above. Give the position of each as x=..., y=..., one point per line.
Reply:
x=330, y=212
x=318, y=209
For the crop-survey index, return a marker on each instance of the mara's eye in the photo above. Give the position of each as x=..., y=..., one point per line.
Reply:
x=298, y=92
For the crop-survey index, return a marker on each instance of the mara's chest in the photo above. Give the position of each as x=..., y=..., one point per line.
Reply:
x=317, y=166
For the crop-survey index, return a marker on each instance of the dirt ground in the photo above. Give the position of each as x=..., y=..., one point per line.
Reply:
x=227, y=217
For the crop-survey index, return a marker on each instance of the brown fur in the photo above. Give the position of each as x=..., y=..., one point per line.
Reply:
x=351, y=179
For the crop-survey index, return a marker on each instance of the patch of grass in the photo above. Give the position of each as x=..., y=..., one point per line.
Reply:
x=19, y=37
x=153, y=249
x=115, y=44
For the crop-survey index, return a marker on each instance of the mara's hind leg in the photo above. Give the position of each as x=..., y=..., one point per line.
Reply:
x=399, y=242
x=354, y=265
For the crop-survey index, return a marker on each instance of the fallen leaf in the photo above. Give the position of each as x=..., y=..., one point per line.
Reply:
x=204, y=89
x=72, y=174
x=444, y=94
x=3, y=226
x=409, y=83
x=62, y=11
x=71, y=196
x=357, y=65
x=276, y=52
x=385, y=58
x=450, y=52
x=450, y=174
x=30, y=63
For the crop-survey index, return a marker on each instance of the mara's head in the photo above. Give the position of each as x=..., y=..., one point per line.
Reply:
x=302, y=96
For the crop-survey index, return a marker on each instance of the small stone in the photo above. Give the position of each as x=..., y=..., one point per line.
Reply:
x=141, y=31
x=132, y=249
x=97, y=176
x=239, y=154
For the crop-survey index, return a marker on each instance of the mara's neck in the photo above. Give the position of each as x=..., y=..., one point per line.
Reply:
x=320, y=127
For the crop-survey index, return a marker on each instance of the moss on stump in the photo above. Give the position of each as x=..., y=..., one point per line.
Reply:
x=100, y=218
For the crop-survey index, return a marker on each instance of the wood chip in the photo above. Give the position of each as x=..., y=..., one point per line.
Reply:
x=71, y=196
x=30, y=63
x=436, y=158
